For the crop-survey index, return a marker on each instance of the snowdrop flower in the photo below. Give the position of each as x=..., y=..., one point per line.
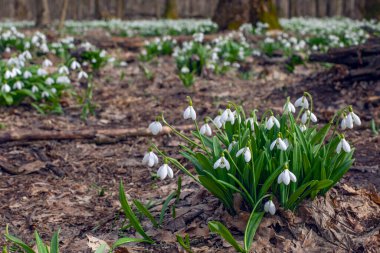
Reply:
x=227, y=115
x=222, y=163
x=190, y=112
x=82, y=74
x=279, y=143
x=27, y=55
x=8, y=74
x=269, y=207
x=164, y=171
x=49, y=81
x=354, y=117
x=18, y=85
x=343, y=144
x=45, y=94
x=347, y=122
x=53, y=90
x=27, y=74
x=303, y=127
x=206, y=130
x=251, y=121
x=289, y=107
x=185, y=70
x=63, y=80
x=47, y=63
x=150, y=159
x=34, y=89
x=42, y=72
x=155, y=127
x=63, y=70
x=15, y=72
x=308, y=115
x=5, y=88
x=286, y=176
x=246, y=152
x=74, y=65
x=218, y=121
x=302, y=102
x=271, y=122
x=232, y=144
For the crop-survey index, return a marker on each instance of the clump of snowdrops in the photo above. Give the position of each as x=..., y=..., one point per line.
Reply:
x=157, y=47
x=283, y=158
x=277, y=160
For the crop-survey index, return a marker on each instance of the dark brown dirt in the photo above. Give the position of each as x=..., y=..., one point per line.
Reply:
x=77, y=190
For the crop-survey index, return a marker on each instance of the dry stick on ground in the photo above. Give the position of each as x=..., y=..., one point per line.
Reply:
x=99, y=135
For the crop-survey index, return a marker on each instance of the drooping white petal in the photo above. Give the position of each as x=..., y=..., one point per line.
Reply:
x=232, y=144
x=313, y=117
x=217, y=163
x=206, y=130
x=349, y=121
x=269, y=123
x=193, y=114
x=280, y=178
x=270, y=207
x=186, y=113
x=163, y=171
x=339, y=147
x=226, y=164
x=343, y=124
x=273, y=144
x=304, y=118
x=247, y=155
x=276, y=121
x=302, y=102
x=218, y=122
x=346, y=146
x=170, y=172
x=282, y=144
x=303, y=128
x=292, y=177
x=240, y=152
x=356, y=118
x=286, y=177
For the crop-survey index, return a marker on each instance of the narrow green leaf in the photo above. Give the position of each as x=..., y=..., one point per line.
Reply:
x=19, y=243
x=126, y=240
x=250, y=230
x=165, y=206
x=142, y=209
x=54, y=244
x=219, y=228
x=40, y=244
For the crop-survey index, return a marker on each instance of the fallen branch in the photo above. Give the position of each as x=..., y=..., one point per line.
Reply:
x=99, y=135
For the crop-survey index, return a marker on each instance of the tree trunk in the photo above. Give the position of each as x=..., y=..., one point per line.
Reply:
x=98, y=11
x=43, y=13
x=21, y=11
x=267, y=13
x=63, y=14
x=231, y=14
x=120, y=9
x=171, y=11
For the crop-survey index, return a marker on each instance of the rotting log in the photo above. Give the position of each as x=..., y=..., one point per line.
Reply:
x=362, y=62
x=98, y=135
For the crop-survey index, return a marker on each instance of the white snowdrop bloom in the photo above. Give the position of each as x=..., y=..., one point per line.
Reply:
x=165, y=171
x=63, y=70
x=45, y=94
x=302, y=102
x=271, y=122
x=103, y=53
x=27, y=74
x=227, y=115
x=8, y=74
x=246, y=152
x=280, y=144
x=269, y=207
x=285, y=177
x=347, y=122
x=34, y=89
x=18, y=85
x=82, y=74
x=47, y=63
x=289, y=108
x=63, y=80
x=53, y=90
x=27, y=55
x=218, y=121
x=155, y=127
x=93, y=60
x=206, y=130
x=251, y=121
x=189, y=113
x=5, y=88
x=42, y=72
x=75, y=65
x=303, y=127
x=150, y=159
x=185, y=70
x=355, y=118
x=16, y=72
x=343, y=144
x=222, y=163
x=232, y=144
x=49, y=81
x=308, y=115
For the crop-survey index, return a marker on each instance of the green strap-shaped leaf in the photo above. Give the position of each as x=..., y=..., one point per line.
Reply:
x=19, y=243
x=219, y=228
x=126, y=240
x=54, y=244
x=250, y=230
x=40, y=244
x=130, y=214
x=142, y=209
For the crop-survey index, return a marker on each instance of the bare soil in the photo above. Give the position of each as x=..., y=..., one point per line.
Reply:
x=75, y=185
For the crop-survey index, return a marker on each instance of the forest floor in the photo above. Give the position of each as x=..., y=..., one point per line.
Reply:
x=73, y=185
